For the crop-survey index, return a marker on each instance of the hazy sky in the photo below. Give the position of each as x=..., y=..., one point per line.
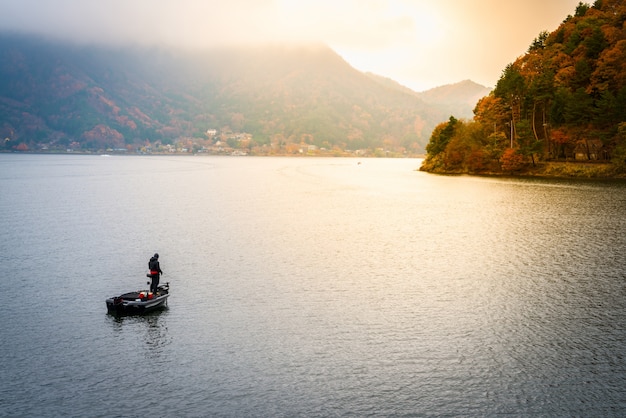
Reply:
x=419, y=43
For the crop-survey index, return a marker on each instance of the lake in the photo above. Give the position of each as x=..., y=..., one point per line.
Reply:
x=308, y=287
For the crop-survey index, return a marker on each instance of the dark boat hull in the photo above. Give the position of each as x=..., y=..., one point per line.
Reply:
x=138, y=303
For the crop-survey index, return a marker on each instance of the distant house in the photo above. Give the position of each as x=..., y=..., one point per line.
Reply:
x=589, y=149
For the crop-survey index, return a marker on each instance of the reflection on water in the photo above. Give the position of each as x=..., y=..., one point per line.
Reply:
x=310, y=287
x=152, y=327
x=156, y=337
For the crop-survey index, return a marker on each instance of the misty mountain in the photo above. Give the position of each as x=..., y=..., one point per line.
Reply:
x=56, y=94
x=458, y=99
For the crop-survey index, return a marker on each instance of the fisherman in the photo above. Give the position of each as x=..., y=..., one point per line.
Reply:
x=155, y=272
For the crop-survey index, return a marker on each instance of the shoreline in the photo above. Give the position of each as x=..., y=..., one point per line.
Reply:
x=551, y=170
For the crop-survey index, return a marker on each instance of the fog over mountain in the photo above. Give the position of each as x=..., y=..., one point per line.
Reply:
x=57, y=94
x=422, y=44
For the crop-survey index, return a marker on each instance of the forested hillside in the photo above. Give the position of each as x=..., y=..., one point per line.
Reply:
x=56, y=96
x=563, y=100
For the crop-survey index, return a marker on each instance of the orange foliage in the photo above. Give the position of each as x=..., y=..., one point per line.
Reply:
x=611, y=70
x=559, y=136
x=511, y=160
x=104, y=136
x=568, y=89
x=476, y=161
x=453, y=159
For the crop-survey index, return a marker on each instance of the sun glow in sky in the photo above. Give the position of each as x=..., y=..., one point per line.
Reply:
x=419, y=43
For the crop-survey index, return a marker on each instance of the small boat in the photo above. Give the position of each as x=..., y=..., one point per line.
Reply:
x=139, y=302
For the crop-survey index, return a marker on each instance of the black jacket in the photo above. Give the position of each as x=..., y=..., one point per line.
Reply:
x=153, y=265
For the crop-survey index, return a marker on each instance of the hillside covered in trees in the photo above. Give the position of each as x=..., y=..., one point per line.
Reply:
x=564, y=100
x=276, y=99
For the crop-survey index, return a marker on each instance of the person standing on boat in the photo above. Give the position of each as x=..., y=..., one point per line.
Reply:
x=155, y=272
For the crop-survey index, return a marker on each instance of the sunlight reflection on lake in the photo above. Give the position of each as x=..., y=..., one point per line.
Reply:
x=310, y=287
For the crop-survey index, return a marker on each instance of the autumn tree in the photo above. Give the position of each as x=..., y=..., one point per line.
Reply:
x=619, y=153
x=439, y=139
x=559, y=140
x=527, y=143
x=511, y=89
x=466, y=149
x=441, y=136
x=566, y=93
x=511, y=161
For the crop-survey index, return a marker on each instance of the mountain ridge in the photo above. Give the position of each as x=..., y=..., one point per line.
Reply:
x=59, y=95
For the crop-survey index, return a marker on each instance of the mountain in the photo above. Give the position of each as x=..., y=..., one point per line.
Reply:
x=58, y=95
x=391, y=84
x=458, y=99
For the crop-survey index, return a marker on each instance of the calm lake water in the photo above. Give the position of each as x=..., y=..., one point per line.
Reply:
x=304, y=287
